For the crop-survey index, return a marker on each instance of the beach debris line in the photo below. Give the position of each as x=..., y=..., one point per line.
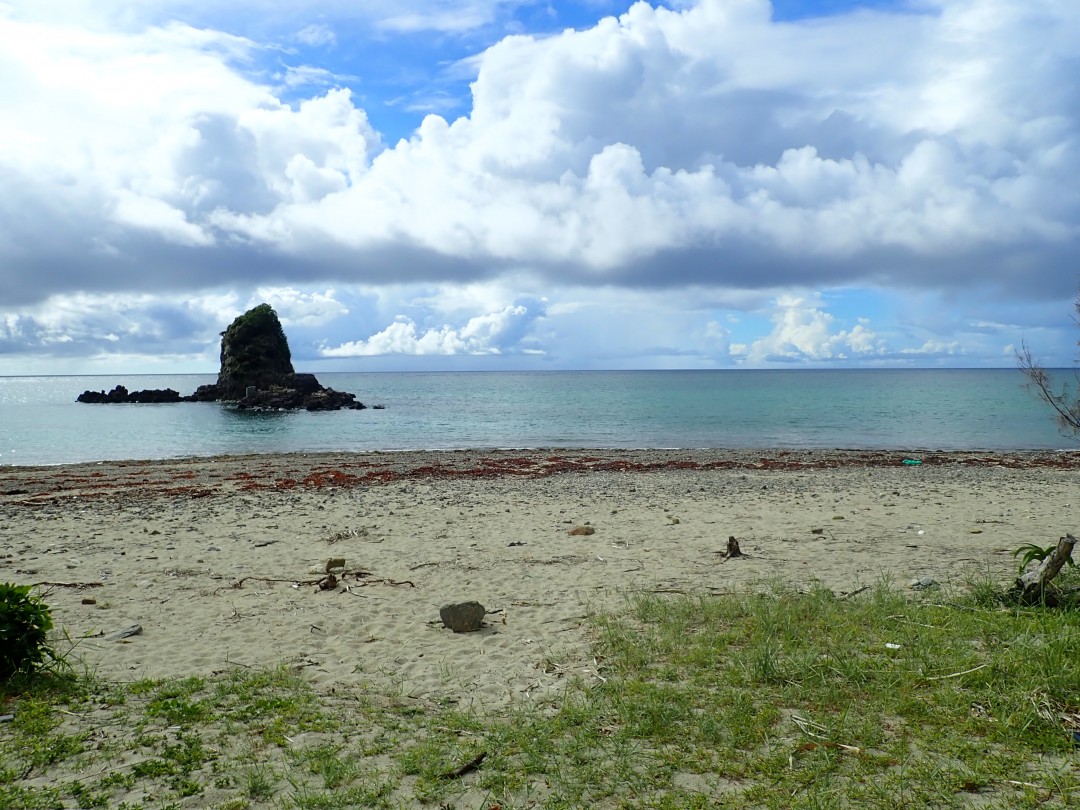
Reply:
x=330, y=580
x=463, y=617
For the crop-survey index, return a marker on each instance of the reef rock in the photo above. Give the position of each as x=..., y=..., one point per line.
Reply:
x=120, y=394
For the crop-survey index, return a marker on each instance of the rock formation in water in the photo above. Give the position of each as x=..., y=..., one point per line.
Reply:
x=120, y=394
x=256, y=372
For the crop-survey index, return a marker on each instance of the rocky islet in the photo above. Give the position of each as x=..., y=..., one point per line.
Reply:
x=256, y=373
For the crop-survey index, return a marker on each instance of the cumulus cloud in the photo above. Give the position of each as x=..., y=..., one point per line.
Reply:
x=94, y=325
x=700, y=137
x=804, y=332
x=706, y=146
x=296, y=307
x=491, y=333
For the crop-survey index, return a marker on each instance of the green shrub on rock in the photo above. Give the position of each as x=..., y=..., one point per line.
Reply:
x=254, y=351
x=25, y=622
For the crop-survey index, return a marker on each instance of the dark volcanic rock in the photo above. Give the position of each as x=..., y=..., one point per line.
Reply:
x=155, y=395
x=120, y=394
x=256, y=373
x=206, y=393
x=254, y=351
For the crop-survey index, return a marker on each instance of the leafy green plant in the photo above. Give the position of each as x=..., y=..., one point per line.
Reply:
x=25, y=623
x=1031, y=551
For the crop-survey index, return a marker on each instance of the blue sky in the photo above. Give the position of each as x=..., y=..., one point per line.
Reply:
x=517, y=184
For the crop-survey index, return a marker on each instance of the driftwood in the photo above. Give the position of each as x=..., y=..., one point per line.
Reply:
x=1033, y=586
x=470, y=766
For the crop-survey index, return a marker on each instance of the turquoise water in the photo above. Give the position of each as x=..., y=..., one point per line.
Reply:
x=984, y=409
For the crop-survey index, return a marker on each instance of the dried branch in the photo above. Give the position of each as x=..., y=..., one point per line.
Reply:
x=1066, y=404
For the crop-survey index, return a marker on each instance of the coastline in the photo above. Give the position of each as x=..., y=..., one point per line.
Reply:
x=217, y=558
x=200, y=476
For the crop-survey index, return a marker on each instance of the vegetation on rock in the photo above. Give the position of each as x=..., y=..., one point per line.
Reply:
x=254, y=351
x=256, y=372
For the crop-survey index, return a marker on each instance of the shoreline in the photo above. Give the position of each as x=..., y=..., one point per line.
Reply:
x=217, y=559
x=209, y=475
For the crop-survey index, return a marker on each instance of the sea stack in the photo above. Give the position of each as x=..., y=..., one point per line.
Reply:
x=254, y=352
x=256, y=372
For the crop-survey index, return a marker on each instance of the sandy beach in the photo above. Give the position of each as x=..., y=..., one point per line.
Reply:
x=219, y=560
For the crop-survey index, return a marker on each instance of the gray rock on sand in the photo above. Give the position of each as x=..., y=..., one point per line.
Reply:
x=463, y=617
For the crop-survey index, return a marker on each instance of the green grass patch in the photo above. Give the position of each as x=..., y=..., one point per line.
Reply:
x=770, y=699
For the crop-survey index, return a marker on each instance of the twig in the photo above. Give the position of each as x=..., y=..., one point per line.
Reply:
x=386, y=581
x=1021, y=784
x=956, y=674
x=855, y=592
x=805, y=726
x=358, y=574
x=69, y=584
x=468, y=767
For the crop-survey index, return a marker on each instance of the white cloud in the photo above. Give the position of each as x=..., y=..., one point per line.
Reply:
x=702, y=148
x=603, y=150
x=317, y=35
x=296, y=307
x=803, y=332
x=606, y=154
x=935, y=347
x=158, y=216
x=490, y=333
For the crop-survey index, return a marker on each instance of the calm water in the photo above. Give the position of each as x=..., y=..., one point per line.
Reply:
x=986, y=409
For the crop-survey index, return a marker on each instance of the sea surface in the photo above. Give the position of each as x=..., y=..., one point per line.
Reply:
x=976, y=409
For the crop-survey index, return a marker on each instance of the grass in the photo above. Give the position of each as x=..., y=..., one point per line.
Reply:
x=773, y=700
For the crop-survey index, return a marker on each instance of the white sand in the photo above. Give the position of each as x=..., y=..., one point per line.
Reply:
x=169, y=541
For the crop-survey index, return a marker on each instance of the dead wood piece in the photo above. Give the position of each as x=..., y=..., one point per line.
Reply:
x=69, y=584
x=1033, y=585
x=855, y=592
x=127, y=632
x=733, y=549
x=470, y=766
x=387, y=581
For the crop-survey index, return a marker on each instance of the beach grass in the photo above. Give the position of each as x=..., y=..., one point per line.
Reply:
x=768, y=697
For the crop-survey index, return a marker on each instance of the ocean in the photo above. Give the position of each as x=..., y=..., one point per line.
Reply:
x=910, y=409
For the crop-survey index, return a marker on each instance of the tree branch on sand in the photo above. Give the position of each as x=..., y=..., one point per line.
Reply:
x=1065, y=402
x=1033, y=586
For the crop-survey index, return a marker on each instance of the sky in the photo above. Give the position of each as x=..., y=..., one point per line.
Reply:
x=539, y=184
